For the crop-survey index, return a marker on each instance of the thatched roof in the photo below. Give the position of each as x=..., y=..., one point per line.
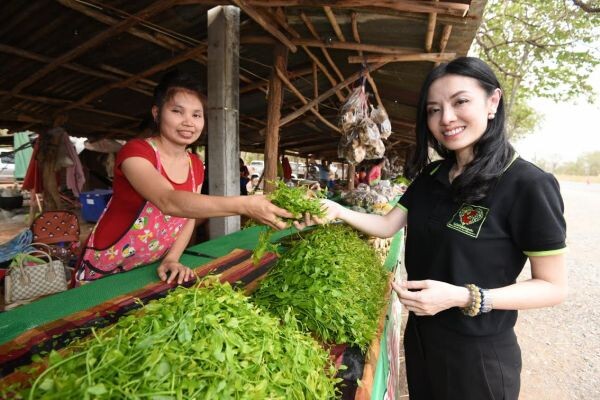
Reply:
x=96, y=62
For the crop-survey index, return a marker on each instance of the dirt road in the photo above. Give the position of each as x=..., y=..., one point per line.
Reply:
x=561, y=345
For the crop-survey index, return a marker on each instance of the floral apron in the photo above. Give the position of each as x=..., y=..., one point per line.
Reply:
x=147, y=240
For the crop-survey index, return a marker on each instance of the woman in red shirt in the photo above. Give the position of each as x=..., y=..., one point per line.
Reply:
x=375, y=173
x=157, y=188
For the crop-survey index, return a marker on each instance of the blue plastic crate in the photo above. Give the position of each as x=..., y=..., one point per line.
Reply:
x=93, y=203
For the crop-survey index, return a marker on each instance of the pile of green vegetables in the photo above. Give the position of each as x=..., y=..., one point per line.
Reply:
x=333, y=281
x=199, y=343
x=297, y=200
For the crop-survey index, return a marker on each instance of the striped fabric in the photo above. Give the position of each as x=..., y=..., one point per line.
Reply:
x=236, y=268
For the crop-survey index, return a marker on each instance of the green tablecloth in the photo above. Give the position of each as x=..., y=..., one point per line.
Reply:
x=15, y=322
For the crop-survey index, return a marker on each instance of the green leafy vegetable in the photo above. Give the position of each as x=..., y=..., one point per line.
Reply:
x=200, y=343
x=333, y=281
x=297, y=200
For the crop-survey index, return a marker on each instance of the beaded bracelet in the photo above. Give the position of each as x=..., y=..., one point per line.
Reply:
x=474, y=308
x=481, y=301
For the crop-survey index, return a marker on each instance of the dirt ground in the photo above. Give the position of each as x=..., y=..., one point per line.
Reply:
x=561, y=345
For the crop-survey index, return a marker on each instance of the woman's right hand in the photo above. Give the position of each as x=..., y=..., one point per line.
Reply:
x=260, y=209
x=332, y=210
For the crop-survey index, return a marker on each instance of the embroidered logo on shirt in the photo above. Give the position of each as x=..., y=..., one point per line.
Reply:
x=468, y=219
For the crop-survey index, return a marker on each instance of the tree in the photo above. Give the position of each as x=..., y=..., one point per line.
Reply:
x=539, y=48
x=587, y=164
x=591, y=7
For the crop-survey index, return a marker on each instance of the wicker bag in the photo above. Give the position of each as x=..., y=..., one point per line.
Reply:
x=24, y=283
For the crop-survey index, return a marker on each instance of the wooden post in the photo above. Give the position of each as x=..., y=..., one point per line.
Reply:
x=273, y=116
x=223, y=111
x=351, y=172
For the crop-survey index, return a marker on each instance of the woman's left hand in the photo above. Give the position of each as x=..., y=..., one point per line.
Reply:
x=429, y=297
x=176, y=270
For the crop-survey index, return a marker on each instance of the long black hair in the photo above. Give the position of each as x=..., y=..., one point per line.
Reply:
x=492, y=152
x=171, y=83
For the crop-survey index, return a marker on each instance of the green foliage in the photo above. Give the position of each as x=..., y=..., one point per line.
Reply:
x=586, y=165
x=541, y=48
x=297, y=200
x=200, y=343
x=522, y=120
x=334, y=283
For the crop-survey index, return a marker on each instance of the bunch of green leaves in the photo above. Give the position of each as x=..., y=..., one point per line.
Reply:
x=401, y=180
x=199, y=343
x=334, y=283
x=297, y=200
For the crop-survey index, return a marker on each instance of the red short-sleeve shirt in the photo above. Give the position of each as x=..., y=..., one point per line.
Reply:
x=126, y=203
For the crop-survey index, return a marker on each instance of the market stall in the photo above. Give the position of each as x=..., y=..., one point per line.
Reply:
x=53, y=321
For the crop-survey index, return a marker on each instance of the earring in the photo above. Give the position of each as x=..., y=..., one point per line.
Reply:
x=491, y=115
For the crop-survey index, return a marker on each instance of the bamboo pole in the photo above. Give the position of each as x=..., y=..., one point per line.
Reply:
x=356, y=36
x=430, y=31
x=127, y=82
x=300, y=96
x=152, y=9
x=328, y=93
x=444, y=39
x=281, y=20
x=267, y=25
x=456, y=9
x=334, y=24
x=71, y=66
x=313, y=31
x=315, y=83
x=435, y=57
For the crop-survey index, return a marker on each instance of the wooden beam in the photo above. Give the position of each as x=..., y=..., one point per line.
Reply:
x=430, y=31
x=273, y=119
x=444, y=39
x=315, y=79
x=106, y=34
x=127, y=82
x=315, y=34
x=435, y=57
x=313, y=57
x=46, y=121
x=71, y=66
x=267, y=25
x=263, y=84
x=356, y=36
x=456, y=9
x=356, y=46
x=124, y=74
x=62, y=102
x=157, y=38
x=328, y=93
x=300, y=96
x=334, y=24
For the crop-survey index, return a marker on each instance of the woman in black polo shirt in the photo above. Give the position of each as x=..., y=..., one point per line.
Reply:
x=474, y=218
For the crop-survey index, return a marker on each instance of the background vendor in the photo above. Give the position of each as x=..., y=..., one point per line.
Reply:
x=374, y=175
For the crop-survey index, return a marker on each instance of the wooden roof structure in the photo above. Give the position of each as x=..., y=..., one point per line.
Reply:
x=92, y=64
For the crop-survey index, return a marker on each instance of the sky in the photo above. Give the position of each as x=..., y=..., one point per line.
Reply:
x=567, y=131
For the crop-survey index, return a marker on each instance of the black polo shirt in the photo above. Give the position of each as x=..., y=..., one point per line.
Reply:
x=486, y=243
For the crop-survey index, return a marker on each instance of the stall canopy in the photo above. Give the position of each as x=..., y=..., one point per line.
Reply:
x=97, y=62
